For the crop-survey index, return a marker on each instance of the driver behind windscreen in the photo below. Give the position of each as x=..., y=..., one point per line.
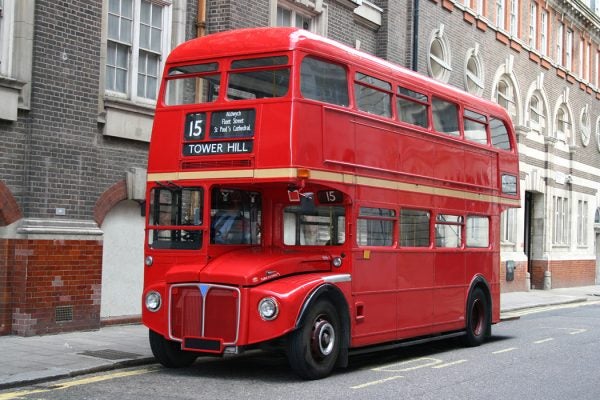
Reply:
x=228, y=223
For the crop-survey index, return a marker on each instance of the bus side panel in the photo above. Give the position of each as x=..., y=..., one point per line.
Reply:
x=450, y=287
x=338, y=147
x=415, y=292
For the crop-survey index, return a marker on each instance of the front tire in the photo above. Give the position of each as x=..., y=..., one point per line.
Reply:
x=169, y=353
x=314, y=347
x=478, y=318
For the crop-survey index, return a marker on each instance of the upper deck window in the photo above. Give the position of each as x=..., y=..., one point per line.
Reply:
x=192, y=84
x=324, y=81
x=445, y=117
x=475, y=127
x=266, y=77
x=499, y=134
x=373, y=95
x=412, y=107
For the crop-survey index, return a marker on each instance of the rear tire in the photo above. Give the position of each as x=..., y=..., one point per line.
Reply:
x=478, y=318
x=314, y=347
x=169, y=353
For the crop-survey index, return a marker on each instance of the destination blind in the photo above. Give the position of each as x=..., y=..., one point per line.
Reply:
x=232, y=124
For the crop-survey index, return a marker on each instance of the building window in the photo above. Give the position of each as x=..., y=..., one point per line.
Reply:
x=588, y=62
x=500, y=17
x=580, y=67
x=569, y=50
x=136, y=46
x=514, y=18
x=508, y=223
x=598, y=133
x=439, y=56
x=303, y=14
x=563, y=123
x=560, y=59
x=537, y=113
x=480, y=7
x=585, y=126
x=533, y=25
x=505, y=96
x=560, y=219
x=582, y=223
x=544, y=33
x=474, y=72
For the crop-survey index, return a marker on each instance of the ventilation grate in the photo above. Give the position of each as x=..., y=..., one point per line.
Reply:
x=63, y=314
x=216, y=164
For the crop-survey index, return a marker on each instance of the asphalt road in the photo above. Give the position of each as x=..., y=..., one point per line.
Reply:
x=547, y=354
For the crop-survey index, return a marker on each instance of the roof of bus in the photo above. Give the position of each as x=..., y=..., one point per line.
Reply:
x=273, y=39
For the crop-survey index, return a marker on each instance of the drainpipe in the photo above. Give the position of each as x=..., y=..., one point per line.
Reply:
x=201, y=19
x=415, y=35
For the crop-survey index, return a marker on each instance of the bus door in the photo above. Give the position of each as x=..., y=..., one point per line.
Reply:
x=450, y=270
x=374, y=277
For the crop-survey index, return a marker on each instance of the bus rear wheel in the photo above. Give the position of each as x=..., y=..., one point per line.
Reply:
x=314, y=347
x=478, y=318
x=169, y=353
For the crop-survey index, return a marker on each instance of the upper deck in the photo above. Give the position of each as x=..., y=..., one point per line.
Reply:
x=251, y=119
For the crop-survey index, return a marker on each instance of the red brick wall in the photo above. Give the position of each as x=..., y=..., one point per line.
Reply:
x=519, y=284
x=565, y=273
x=42, y=275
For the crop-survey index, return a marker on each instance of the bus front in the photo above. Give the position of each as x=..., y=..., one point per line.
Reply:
x=238, y=239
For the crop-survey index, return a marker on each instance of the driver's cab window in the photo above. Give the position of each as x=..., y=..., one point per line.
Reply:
x=235, y=216
x=314, y=226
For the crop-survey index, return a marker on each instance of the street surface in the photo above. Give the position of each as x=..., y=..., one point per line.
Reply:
x=549, y=353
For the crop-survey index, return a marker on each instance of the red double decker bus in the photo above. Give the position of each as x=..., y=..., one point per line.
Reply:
x=305, y=195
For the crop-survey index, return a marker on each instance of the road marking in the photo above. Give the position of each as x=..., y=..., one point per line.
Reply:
x=398, y=367
x=504, y=350
x=575, y=331
x=78, y=382
x=449, y=364
x=551, y=308
x=364, y=385
x=544, y=340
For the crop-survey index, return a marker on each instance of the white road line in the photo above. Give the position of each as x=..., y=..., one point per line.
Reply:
x=520, y=313
x=504, y=350
x=449, y=364
x=544, y=340
x=364, y=385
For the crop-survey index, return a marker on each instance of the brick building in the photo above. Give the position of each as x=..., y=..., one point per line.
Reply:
x=78, y=82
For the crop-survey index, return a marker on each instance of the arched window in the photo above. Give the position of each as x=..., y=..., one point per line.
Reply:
x=563, y=123
x=598, y=133
x=585, y=126
x=439, y=56
x=537, y=113
x=505, y=96
x=474, y=72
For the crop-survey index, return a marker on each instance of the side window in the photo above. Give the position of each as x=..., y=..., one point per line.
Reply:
x=478, y=231
x=475, y=127
x=499, y=134
x=324, y=81
x=323, y=226
x=414, y=228
x=445, y=117
x=373, y=95
x=412, y=107
x=258, y=78
x=375, y=227
x=448, y=231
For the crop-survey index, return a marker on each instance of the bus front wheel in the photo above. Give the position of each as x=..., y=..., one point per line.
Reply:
x=169, y=353
x=478, y=318
x=314, y=347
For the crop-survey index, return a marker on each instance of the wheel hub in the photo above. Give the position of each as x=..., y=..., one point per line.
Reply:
x=323, y=338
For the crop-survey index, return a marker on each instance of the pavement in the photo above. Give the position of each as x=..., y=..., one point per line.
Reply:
x=29, y=360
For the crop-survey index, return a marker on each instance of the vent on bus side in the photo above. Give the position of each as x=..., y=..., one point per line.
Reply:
x=216, y=164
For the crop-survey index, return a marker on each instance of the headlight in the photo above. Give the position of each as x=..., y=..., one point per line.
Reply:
x=268, y=309
x=148, y=261
x=153, y=301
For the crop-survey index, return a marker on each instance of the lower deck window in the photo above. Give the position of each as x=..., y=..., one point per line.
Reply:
x=321, y=226
x=478, y=231
x=448, y=231
x=375, y=227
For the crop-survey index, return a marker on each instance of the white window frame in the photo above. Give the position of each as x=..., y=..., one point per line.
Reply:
x=474, y=79
x=560, y=37
x=569, y=50
x=533, y=26
x=506, y=99
x=582, y=223
x=314, y=10
x=508, y=223
x=585, y=125
x=560, y=219
x=588, y=62
x=598, y=133
x=444, y=60
x=514, y=18
x=540, y=125
x=500, y=14
x=564, y=134
x=544, y=32
x=7, y=8
x=580, y=67
x=134, y=52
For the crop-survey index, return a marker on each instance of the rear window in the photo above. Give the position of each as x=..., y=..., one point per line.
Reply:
x=324, y=81
x=192, y=84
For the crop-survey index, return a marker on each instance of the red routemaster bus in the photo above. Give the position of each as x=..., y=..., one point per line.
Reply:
x=305, y=195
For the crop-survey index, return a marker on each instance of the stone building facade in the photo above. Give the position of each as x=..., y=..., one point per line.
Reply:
x=78, y=83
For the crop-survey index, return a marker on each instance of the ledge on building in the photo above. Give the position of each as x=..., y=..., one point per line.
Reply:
x=58, y=226
x=369, y=15
x=127, y=120
x=10, y=90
